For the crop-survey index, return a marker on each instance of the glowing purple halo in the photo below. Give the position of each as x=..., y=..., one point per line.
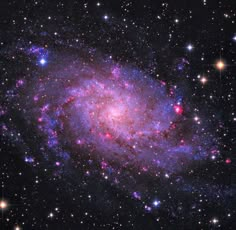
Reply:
x=116, y=114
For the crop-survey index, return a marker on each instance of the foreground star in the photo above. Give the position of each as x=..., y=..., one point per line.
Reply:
x=220, y=65
x=3, y=205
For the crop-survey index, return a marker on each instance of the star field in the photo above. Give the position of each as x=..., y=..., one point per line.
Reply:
x=117, y=114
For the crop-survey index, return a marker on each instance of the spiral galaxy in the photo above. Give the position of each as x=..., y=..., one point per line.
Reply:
x=117, y=115
x=114, y=114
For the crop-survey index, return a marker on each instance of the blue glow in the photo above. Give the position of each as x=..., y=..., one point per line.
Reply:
x=43, y=61
x=190, y=47
x=156, y=203
x=29, y=159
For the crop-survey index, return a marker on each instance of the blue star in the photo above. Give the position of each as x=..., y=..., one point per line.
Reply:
x=156, y=203
x=190, y=47
x=42, y=61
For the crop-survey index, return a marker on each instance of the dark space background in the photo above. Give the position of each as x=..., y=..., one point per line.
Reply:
x=173, y=41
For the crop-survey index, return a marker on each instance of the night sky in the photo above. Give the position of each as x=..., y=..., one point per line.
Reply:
x=117, y=114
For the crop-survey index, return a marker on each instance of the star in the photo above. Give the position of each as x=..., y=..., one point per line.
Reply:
x=176, y=20
x=203, y=80
x=51, y=215
x=213, y=157
x=3, y=204
x=220, y=65
x=42, y=61
x=215, y=221
x=190, y=47
x=106, y=17
x=156, y=203
x=196, y=118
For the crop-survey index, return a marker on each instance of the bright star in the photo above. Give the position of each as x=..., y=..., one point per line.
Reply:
x=51, y=215
x=156, y=203
x=215, y=221
x=105, y=17
x=42, y=61
x=203, y=80
x=3, y=204
x=196, y=118
x=190, y=47
x=220, y=65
